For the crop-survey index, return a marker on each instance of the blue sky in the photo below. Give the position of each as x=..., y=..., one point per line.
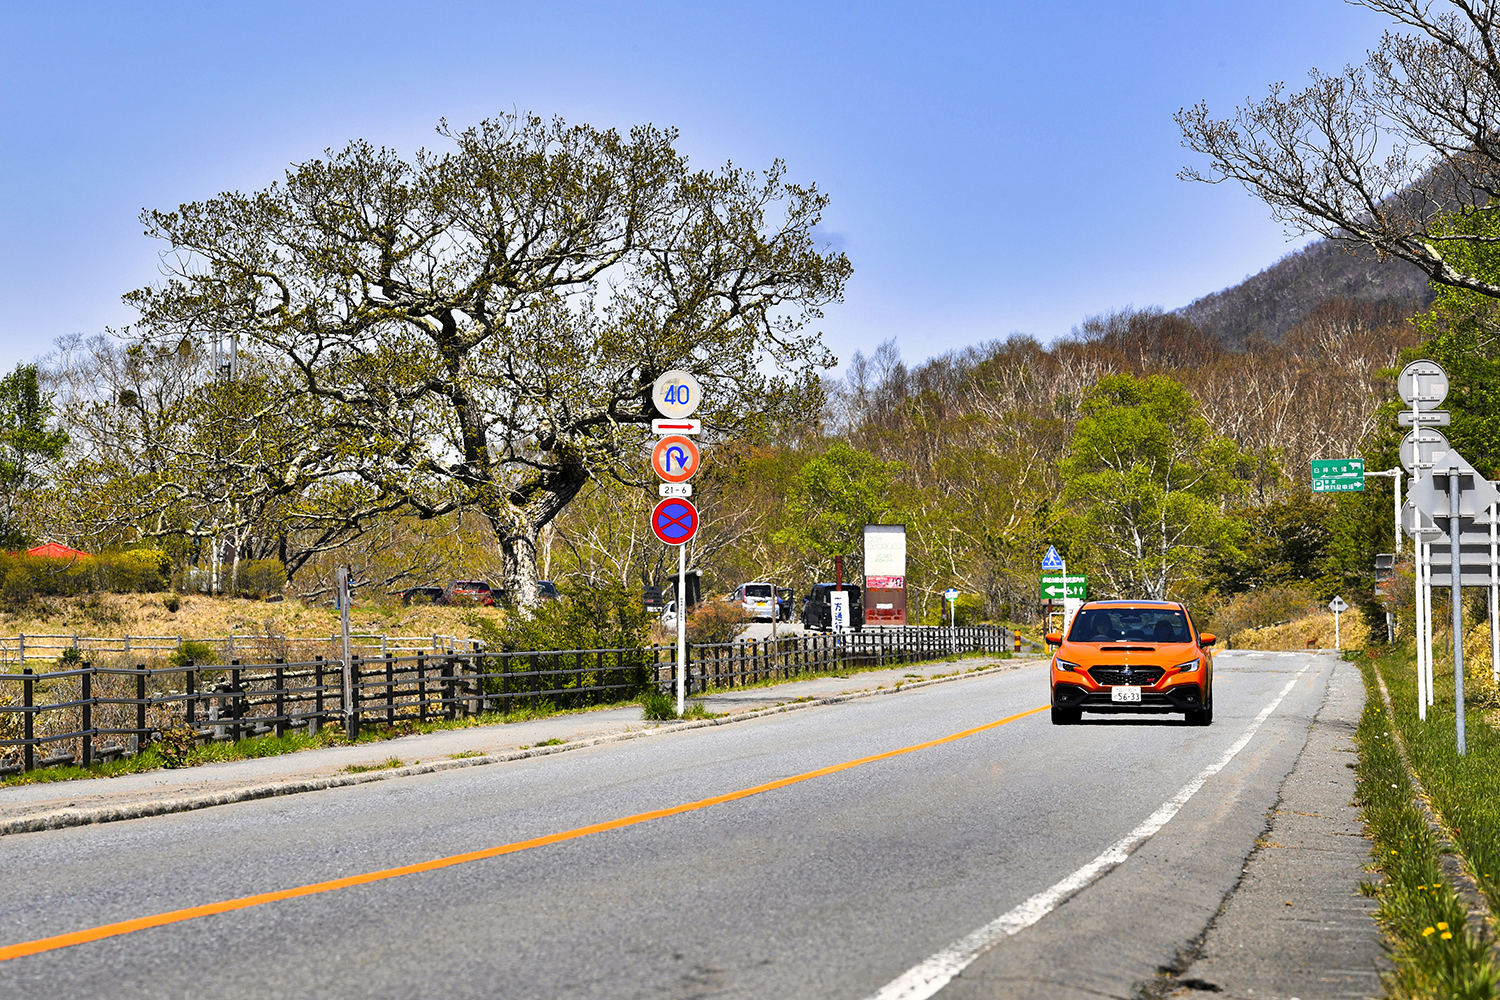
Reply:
x=994, y=167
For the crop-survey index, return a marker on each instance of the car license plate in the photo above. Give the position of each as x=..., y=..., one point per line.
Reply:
x=1125, y=692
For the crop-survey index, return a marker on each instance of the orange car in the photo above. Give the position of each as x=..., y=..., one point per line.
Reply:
x=1132, y=656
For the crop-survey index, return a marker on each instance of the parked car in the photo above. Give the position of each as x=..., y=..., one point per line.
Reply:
x=547, y=590
x=1132, y=656
x=784, y=598
x=421, y=595
x=669, y=615
x=758, y=600
x=468, y=592
x=817, y=606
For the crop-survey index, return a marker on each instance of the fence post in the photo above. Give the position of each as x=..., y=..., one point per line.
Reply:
x=280, y=723
x=27, y=719
x=142, y=734
x=190, y=677
x=352, y=731
x=86, y=680
x=236, y=709
x=447, y=675
x=23, y=649
x=421, y=687
x=316, y=722
x=390, y=685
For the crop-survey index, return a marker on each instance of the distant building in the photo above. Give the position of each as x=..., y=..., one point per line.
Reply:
x=56, y=550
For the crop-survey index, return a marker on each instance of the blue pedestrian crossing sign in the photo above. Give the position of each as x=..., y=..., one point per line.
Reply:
x=1052, y=560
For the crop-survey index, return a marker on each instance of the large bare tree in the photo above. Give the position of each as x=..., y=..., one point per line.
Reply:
x=480, y=328
x=1380, y=155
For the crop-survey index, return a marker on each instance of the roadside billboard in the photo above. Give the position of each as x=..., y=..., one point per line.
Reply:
x=885, y=574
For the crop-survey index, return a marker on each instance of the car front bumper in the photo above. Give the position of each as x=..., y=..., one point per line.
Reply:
x=1173, y=698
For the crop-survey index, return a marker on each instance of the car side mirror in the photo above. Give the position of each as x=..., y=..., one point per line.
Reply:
x=1053, y=638
x=1207, y=639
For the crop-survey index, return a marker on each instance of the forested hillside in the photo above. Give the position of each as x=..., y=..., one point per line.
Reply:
x=1268, y=304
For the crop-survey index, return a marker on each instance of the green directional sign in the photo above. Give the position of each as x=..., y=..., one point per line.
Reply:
x=1056, y=588
x=1339, y=475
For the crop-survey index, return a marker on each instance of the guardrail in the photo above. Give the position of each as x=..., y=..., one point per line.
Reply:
x=91, y=713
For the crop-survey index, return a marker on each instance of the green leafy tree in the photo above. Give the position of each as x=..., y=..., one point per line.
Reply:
x=1150, y=483
x=479, y=329
x=26, y=445
x=833, y=497
x=1463, y=335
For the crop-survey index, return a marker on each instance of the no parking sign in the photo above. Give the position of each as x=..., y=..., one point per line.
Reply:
x=675, y=520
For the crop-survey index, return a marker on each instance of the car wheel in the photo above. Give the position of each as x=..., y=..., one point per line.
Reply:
x=1201, y=717
x=1066, y=716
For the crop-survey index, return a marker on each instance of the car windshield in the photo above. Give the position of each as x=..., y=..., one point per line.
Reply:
x=757, y=590
x=1130, y=624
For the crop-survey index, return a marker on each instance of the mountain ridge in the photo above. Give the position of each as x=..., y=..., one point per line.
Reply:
x=1269, y=303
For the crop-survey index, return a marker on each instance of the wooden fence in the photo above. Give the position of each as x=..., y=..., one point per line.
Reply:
x=90, y=713
x=17, y=649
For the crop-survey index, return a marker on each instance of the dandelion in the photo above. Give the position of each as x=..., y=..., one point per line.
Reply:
x=1447, y=936
x=1442, y=926
x=1428, y=932
x=1393, y=850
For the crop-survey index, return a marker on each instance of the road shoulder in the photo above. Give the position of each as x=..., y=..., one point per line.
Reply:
x=1296, y=925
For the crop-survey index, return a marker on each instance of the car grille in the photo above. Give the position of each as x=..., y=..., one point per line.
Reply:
x=1113, y=674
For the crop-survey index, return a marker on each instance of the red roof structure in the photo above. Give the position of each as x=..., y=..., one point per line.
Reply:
x=54, y=550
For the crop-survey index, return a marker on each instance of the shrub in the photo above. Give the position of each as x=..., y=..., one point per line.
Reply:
x=132, y=571
x=261, y=577
x=658, y=706
x=194, y=652
x=1263, y=606
x=604, y=617
x=174, y=745
x=715, y=622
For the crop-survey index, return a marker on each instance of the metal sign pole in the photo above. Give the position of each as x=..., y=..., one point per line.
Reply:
x=1455, y=570
x=681, y=626
x=1495, y=593
x=1424, y=632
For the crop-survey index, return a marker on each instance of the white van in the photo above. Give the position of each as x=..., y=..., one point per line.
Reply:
x=758, y=600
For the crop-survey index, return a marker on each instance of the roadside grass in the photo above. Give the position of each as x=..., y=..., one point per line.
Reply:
x=389, y=762
x=1434, y=950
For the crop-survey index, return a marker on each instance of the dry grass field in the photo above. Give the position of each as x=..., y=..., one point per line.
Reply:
x=199, y=616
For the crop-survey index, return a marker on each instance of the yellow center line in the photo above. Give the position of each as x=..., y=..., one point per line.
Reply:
x=260, y=899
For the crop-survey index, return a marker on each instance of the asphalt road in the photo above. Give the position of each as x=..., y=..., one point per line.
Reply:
x=844, y=884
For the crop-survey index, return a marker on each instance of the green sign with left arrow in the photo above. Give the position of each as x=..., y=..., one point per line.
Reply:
x=1339, y=475
x=1056, y=588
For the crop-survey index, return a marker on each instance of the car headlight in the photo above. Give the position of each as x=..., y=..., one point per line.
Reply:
x=1187, y=667
x=1062, y=664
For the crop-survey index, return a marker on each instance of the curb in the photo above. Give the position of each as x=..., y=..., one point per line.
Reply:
x=64, y=818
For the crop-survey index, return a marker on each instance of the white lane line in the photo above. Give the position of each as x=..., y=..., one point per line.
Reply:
x=924, y=980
